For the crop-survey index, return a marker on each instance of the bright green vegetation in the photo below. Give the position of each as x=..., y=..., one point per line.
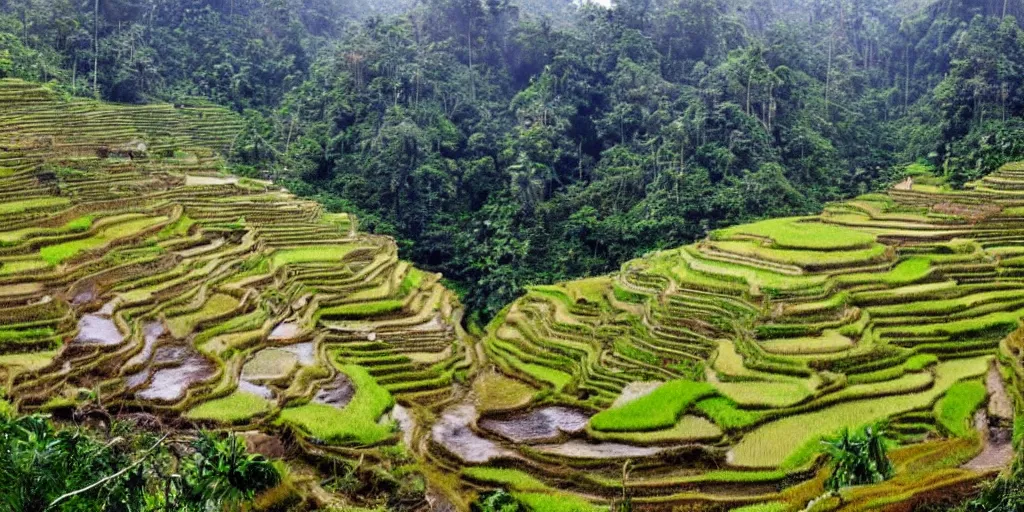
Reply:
x=754, y=353
x=611, y=137
x=56, y=254
x=914, y=364
x=555, y=502
x=830, y=341
x=725, y=414
x=774, y=506
x=689, y=429
x=955, y=410
x=800, y=234
x=218, y=305
x=12, y=207
x=763, y=393
x=14, y=336
x=773, y=443
x=362, y=309
x=76, y=225
x=178, y=228
x=155, y=282
x=906, y=272
x=658, y=410
x=238, y=406
x=875, y=252
x=595, y=204
x=218, y=473
x=311, y=254
x=21, y=265
x=509, y=478
x=858, y=458
x=358, y=422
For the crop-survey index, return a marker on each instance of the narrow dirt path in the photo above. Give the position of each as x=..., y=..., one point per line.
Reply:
x=999, y=405
x=990, y=423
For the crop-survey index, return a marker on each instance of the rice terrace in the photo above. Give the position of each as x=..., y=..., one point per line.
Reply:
x=140, y=281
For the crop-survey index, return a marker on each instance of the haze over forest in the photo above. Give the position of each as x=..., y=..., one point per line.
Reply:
x=507, y=143
x=511, y=255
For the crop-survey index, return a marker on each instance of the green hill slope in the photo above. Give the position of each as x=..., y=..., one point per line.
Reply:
x=716, y=369
x=136, y=276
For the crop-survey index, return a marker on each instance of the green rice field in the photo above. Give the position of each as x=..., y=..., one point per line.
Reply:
x=701, y=377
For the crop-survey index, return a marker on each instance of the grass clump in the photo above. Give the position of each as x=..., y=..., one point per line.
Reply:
x=726, y=414
x=797, y=233
x=906, y=272
x=357, y=422
x=236, y=407
x=217, y=305
x=11, y=207
x=955, y=409
x=361, y=309
x=322, y=253
x=555, y=502
x=660, y=409
x=412, y=281
x=509, y=478
x=771, y=506
x=792, y=441
x=56, y=254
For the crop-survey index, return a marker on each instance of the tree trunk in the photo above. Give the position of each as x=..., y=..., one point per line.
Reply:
x=95, y=48
x=828, y=72
x=906, y=81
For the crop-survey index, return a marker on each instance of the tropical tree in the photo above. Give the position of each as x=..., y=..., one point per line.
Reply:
x=221, y=474
x=497, y=501
x=858, y=458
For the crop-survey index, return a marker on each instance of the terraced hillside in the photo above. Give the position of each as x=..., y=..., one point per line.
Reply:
x=137, y=278
x=705, y=377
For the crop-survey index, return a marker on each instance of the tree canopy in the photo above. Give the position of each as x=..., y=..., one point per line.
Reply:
x=508, y=142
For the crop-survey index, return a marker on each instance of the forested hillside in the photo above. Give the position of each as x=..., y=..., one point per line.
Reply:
x=509, y=142
x=797, y=233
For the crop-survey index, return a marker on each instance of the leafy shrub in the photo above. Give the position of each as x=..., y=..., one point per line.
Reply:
x=497, y=501
x=955, y=409
x=858, y=458
x=71, y=469
x=658, y=410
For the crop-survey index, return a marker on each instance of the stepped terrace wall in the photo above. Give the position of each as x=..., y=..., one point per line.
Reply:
x=137, y=278
x=714, y=370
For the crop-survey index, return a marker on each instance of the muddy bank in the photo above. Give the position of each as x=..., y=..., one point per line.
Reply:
x=170, y=384
x=99, y=331
x=305, y=352
x=452, y=432
x=997, y=451
x=255, y=389
x=151, y=332
x=579, y=449
x=994, y=424
x=546, y=424
x=337, y=393
x=285, y=331
x=406, y=423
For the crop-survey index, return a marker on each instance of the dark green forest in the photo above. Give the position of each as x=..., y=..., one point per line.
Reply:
x=509, y=142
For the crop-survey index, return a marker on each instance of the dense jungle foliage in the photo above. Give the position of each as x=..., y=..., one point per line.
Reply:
x=123, y=468
x=509, y=142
